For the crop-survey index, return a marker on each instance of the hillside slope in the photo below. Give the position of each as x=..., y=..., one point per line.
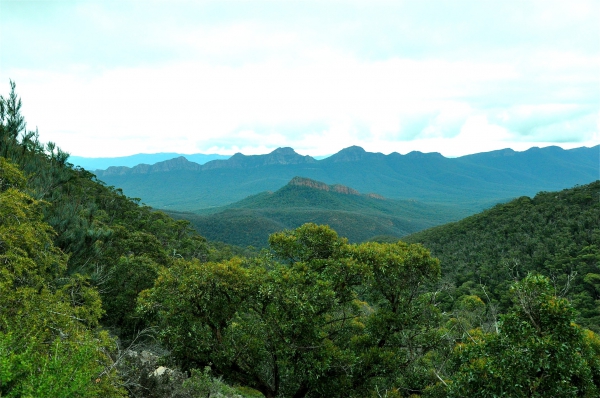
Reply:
x=355, y=216
x=475, y=181
x=74, y=256
x=556, y=234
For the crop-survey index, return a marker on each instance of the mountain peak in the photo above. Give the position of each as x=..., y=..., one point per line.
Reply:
x=285, y=156
x=354, y=148
x=350, y=154
x=424, y=155
x=178, y=163
x=284, y=151
x=280, y=156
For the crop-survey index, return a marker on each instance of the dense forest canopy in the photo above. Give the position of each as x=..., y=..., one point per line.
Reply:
x=90, y=281
x=556, y=234
x=77, y=253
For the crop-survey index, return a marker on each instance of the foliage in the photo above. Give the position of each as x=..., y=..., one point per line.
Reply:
x=49, y=342
x=301, y=326
x=556, y=234
x=96, y=225
x=58, y=222
x=144, y=378
x=311, y=316
x=202, y=383
x=538, y=351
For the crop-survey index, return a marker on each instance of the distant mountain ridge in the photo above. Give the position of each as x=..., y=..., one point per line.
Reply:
x=279, y=156
x=140, y=158
x=476, y=181
x=179, y=163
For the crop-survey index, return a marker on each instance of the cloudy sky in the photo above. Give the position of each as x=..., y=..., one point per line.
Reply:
x=114, y=78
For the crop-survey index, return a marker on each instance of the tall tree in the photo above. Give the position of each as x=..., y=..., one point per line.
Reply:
x=316, y=316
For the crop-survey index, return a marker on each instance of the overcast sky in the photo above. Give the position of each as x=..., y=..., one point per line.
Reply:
x=114, y=78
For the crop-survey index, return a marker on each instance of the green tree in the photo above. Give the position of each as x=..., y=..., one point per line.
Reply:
x=538, y=352
x=49, y=342
x=316, y=316
x=402, y=324
x=556, y=234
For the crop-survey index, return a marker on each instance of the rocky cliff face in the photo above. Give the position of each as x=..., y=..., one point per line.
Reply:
x=344, y=189
x=307, y=182
x=375, y=196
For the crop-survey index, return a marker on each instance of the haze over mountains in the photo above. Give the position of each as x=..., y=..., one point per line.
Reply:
x=140, y=158
x=472, y=182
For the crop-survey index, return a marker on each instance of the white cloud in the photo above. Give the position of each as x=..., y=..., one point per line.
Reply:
x=145, y=107
x=199, y=77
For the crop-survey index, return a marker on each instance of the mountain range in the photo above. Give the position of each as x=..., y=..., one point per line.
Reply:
x=474, y=181
x=140, y=158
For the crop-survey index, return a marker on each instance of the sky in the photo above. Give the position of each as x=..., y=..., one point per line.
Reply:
x=115, y=78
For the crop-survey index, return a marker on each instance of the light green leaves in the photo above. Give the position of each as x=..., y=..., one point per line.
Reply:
x=48, y=343
x=538, y=352
x=329, y=317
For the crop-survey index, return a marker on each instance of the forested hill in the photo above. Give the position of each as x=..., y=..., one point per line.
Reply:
x=475, y=181
x=74, y=254
x=556, y=234
x=356, y=216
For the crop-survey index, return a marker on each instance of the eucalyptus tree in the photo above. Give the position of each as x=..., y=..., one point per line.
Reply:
x=315, y=316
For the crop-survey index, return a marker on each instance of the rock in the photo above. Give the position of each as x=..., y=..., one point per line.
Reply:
x=161, y=370
x=147, y=356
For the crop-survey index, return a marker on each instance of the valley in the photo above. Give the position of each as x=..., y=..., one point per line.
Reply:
x=473, y=182
x=358, y=217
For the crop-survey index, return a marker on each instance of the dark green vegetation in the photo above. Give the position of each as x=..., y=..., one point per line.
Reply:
x=474, y=182
x=537, y=351
x=556, y=234
x=74, y=254
x=355, y=216
x=317, y=316
x=84, y=271
x=294, y=324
